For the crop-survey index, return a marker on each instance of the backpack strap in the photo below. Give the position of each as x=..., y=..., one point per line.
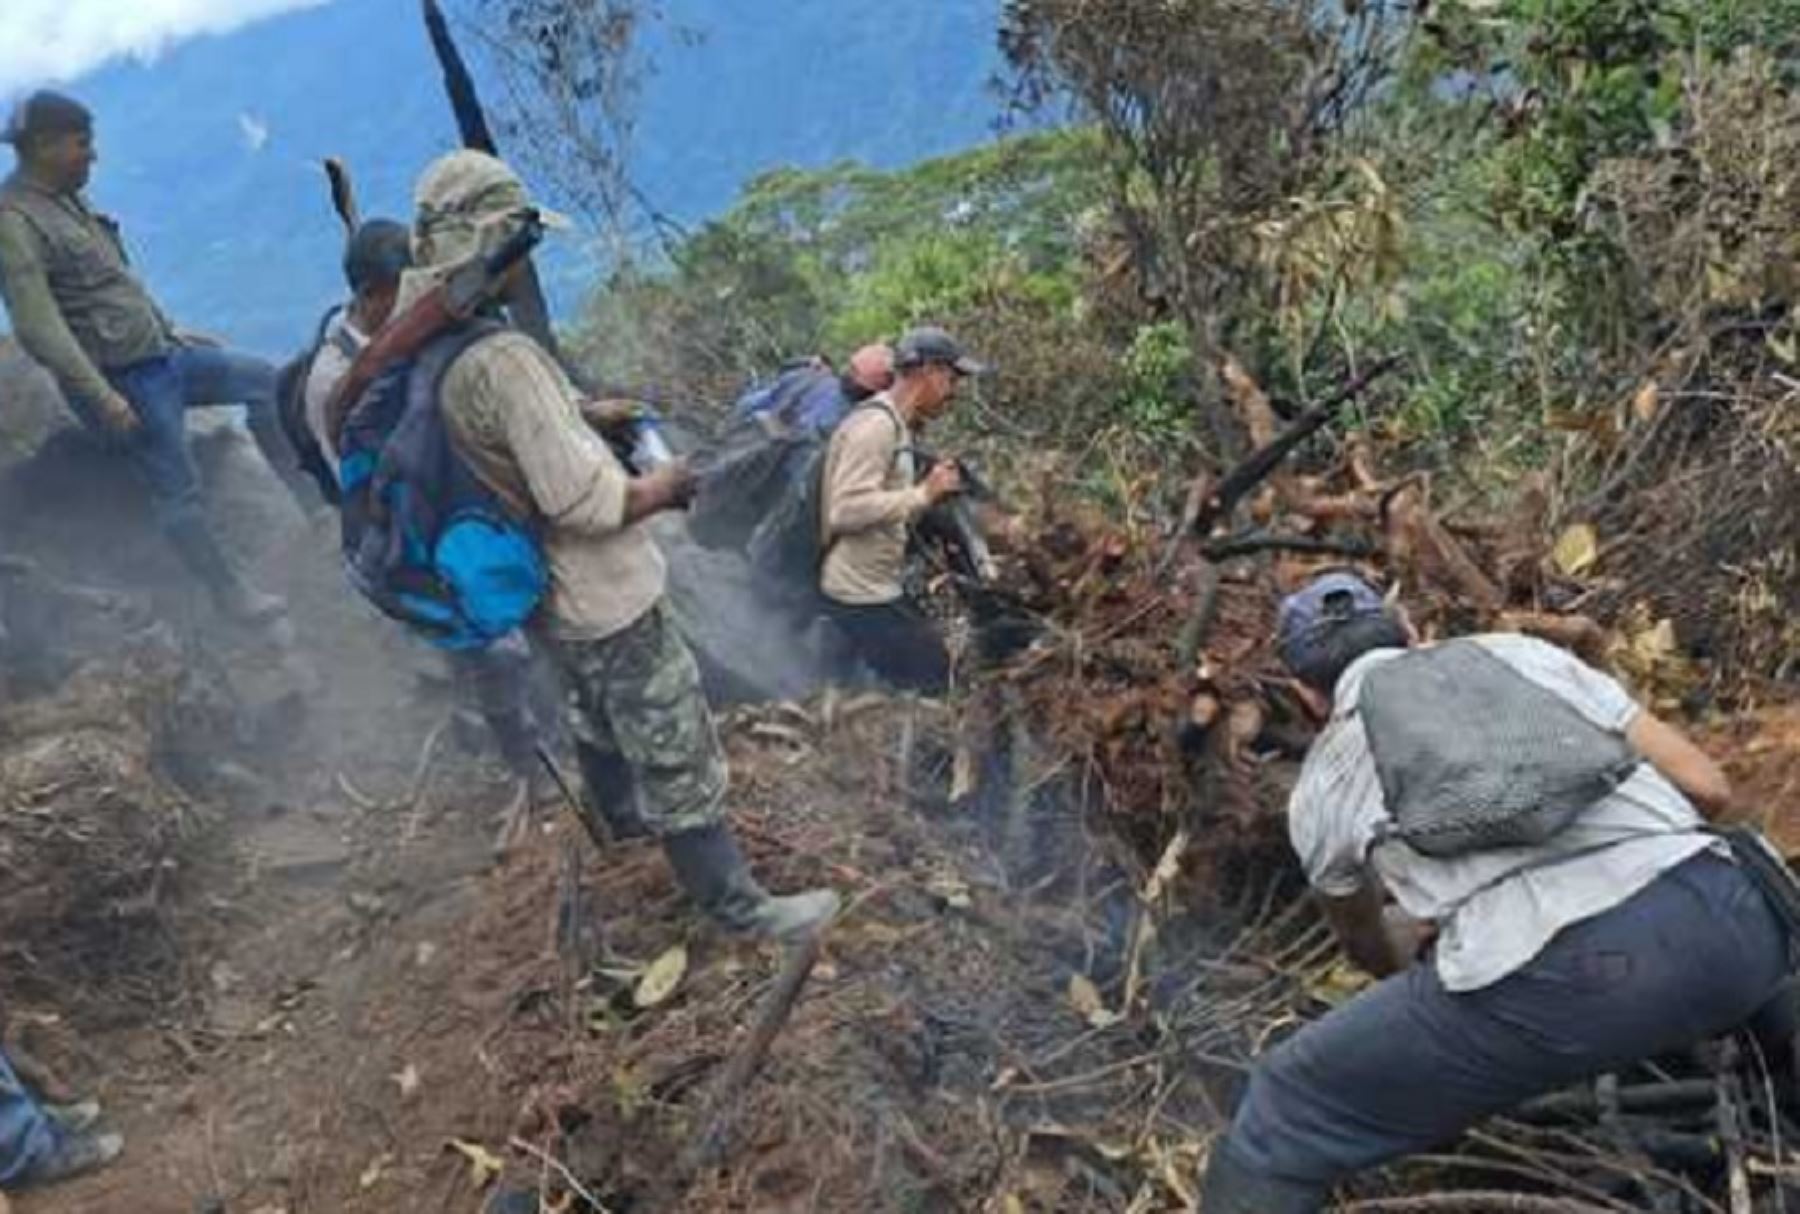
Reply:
x=425, y=383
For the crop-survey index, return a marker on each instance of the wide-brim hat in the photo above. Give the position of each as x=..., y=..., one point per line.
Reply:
x=467, y=203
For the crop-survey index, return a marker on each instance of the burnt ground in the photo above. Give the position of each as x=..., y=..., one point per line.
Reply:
x=343, y=1003
x=339, y=981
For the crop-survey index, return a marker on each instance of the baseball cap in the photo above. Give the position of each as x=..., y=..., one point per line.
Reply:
x=379, y=251
x=45, y=113
x=927, y=345
x=1308, y=620
x=462, y=198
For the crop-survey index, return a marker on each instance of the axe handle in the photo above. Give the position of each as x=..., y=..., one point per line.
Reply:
x=343, y=194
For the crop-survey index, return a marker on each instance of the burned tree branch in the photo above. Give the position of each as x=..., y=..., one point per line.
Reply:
x=1251, y=472
x=708, y=1147
x=1247, y=543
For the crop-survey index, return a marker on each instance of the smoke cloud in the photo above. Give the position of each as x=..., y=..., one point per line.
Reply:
x=44, y=41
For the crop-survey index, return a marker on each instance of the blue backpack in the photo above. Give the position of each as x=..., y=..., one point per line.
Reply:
x=423, y=538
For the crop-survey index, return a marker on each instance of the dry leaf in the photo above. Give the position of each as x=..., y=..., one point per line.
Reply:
x=1010, y=1204
x=1655, y=642
x=1167, y=868
x=952, y=891
x=1084, y=997
x=1339, y=985
x=371, y=1175
x=661, y=979
x=1577, y=548
x=1643, y=404
x=484, y=1166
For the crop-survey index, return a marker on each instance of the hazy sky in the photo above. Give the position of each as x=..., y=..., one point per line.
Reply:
x=50, y=40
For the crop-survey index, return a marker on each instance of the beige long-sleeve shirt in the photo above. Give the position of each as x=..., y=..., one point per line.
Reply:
x=515, y=418
x=868, y=501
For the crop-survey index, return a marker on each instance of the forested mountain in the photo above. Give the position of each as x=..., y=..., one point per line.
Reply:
x=209, y=155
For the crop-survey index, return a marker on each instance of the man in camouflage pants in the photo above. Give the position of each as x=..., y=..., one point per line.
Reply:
x=649, y=752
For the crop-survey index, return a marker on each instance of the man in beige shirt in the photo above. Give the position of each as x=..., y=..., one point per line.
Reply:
x=645, y=736
x=871, y=498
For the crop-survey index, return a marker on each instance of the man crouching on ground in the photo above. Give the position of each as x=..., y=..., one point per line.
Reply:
x=650, y=754
x=1628, y=932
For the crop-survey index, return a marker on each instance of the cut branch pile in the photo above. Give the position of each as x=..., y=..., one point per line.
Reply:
x=1155, y=670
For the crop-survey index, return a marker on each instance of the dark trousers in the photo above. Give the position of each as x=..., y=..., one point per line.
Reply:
x=897, y=641
x=1407, y=1065
x=497, y=681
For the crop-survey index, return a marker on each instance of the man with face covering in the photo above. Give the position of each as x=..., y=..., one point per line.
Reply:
x=647, y=742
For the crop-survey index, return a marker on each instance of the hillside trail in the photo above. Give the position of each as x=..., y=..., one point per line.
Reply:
x=360, y=985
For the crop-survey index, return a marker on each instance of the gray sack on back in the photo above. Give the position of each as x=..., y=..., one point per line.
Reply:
x=1472, y=755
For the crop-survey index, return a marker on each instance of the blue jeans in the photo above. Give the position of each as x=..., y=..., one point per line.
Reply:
x=164, y=388
x=27, y=1135
x=1408, y=1065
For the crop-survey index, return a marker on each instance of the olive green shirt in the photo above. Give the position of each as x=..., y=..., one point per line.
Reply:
x=75, y=303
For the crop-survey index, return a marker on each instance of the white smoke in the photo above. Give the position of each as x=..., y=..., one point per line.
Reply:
x=44, y=41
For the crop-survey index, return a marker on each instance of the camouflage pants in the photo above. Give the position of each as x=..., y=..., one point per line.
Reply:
x=640, y=714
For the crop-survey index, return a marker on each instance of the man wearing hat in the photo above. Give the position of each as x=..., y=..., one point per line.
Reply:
x=1507, y=971
x=871, y=496
x=648, y=746
x=79, y=309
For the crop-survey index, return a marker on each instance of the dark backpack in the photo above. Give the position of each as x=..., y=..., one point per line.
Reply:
x=424, y=539
x=788, y=546
x=744, y=476
x=763, y=454
x=290, y=408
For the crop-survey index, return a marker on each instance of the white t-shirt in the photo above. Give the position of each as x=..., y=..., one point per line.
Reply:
x=1495, y=910
x=343, y=341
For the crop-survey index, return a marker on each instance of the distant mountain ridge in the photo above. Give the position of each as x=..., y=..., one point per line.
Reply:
x=210, y=156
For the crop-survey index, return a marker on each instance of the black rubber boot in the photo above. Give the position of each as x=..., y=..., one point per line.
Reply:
x=1231, y=1187
x=199, y=550
x=611, y=795
x=712, y=870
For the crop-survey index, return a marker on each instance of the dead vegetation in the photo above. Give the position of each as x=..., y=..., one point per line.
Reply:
x=93, y=822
